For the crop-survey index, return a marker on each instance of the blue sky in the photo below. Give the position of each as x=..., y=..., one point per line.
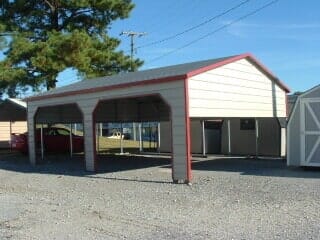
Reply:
x=284, y=36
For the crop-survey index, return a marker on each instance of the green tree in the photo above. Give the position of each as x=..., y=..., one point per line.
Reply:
x=49, y=36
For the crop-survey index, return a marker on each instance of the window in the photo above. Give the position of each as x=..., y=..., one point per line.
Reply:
x=247, y=124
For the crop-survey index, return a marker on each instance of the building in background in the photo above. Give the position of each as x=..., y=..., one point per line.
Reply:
x=13, y=116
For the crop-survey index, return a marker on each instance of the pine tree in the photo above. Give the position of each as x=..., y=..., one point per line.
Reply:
x=48, y=36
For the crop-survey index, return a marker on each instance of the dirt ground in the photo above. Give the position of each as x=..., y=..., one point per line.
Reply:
x=134, y=198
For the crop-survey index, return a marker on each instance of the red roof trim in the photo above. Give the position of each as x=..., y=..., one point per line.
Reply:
x=169, y=79
x=251, y=58
x=108, y=88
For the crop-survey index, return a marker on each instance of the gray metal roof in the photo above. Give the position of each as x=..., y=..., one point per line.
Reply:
x=18, y=102
x=13, y=109
x=131, y=77
x=292, y=98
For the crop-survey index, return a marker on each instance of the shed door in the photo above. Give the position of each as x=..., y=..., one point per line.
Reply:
x=310, y=134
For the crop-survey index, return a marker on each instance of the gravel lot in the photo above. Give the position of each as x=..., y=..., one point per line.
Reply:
x=133, y=198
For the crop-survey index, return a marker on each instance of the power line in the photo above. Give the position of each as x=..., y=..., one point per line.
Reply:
x=196, y=26
x=215, y=31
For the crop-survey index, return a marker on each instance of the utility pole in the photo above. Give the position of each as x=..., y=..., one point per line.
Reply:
x=132, y=35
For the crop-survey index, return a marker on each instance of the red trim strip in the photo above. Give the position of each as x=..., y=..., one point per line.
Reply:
x=108, y=88
x=251, y=58
x=188, y=135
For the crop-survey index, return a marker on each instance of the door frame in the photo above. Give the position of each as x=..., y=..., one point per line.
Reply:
x=305, y=103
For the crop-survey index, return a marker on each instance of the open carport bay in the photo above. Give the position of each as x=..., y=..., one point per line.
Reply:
x=232, y=198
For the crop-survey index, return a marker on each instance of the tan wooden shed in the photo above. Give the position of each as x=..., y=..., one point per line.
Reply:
x=13, y=119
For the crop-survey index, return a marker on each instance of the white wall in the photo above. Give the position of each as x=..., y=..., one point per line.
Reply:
x=237, y=89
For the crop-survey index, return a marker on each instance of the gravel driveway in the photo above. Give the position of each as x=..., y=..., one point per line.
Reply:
x=133, y=198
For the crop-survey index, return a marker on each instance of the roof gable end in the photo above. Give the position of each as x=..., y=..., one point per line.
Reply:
x=247, y=56
x=152, y=76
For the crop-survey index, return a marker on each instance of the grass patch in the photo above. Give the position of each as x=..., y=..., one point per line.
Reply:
x=108, y=145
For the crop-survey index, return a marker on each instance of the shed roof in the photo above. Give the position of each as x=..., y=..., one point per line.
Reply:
x=13, y=109
x=18, y=102
x=309, y=93
x=163, y=74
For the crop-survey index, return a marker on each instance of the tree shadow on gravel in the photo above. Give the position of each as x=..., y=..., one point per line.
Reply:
x=273, y=167
x=75, y=166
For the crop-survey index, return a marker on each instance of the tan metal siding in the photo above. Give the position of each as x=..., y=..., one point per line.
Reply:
x=165, y=134
x=67, y=114
x=4, y=134
x=172, y=92
x=243, y=142
x=269, y=141
x=237, y=89
x=196, y=136
x=17, y=127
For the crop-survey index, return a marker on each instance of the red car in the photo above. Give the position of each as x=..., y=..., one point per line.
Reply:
x=54, y=140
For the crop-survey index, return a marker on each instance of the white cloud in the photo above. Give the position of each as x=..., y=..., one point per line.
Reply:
x=289, y=31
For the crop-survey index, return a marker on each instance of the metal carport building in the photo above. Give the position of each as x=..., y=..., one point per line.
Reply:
x=230, y=87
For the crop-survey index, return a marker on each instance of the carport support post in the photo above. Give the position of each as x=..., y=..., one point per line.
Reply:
x=159, y=137
x=203, y=139
x=140, y=138
x=41, y=140
x=10, y=135
x=100, y=129
x=71, y=144
x=121, y=140
x=257, y=138
x=31, y=112
x=87, y=107
x=283, y=124
x=134, y=131
x=97, y=132
x=229, y=136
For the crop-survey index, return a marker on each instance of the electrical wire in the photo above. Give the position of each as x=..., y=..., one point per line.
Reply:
x=195, y=26
x=215, y=31
x=168, y=15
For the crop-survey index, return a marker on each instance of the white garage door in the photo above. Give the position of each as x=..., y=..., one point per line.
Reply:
x=310, y=134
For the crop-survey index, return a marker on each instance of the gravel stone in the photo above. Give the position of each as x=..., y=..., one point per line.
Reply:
x=134, y=198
